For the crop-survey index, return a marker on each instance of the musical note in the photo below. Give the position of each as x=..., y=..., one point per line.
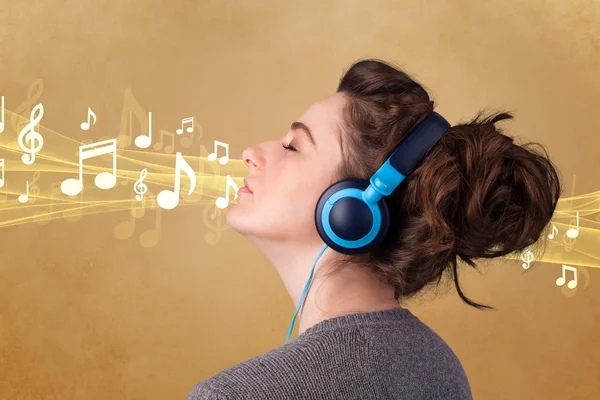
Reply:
x=143, y=141
x=169, y=148
x=552, y=235
x=24, y=108
x=205, y=176
x=573, y=282
x=527, y=257
x=150, y=237
x=130, y=106
x=23, y=198
x=574, y=232
x=72, y=215
x=2, y=166
x=29, y=134
x=35, y=190
x=183, y=122
x=86, y=125
x=216, y=227
x=125, y=229
x=104, y=180
x=213, y=156
x=140, y=187
x=2, y=119
x=169, y=199
x=222, y=202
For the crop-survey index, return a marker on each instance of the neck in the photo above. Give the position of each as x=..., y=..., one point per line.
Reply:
x=350, y=290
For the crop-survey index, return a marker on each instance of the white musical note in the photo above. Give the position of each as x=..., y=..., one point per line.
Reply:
x=573, y=282
x=527, y=257
x=2, y=119
x=104, y=180
x=140, y=187
x=86, y=125
x=222, y=202
x=223, y=159
x=24, y=198
x=144, y=141
x=169, y=199
x=574, y=232
x=2, y=166
x=551, y=235
x=183, y=122
x=28, y=134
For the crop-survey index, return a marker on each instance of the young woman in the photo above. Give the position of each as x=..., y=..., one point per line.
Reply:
x=475, y=194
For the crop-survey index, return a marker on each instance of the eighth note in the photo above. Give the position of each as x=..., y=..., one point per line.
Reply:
x=140, y=187
x=104, y=180
x=86, y=125
x=183, y=122
x=168, y=199
x=573, y=282
x=551, y=235
x=23, y=198
x=222, y=202
x=223, y=159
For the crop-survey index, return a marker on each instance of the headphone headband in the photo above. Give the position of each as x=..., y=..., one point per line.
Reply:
x=406, y=157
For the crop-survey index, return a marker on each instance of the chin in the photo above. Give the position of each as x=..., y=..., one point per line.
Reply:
x=237, y=220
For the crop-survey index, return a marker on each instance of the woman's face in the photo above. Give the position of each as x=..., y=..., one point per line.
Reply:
x=286, y=184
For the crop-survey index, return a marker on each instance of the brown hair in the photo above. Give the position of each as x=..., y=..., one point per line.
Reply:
x=475, y=195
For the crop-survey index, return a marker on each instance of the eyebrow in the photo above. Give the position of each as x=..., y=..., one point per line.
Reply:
x=301, y=125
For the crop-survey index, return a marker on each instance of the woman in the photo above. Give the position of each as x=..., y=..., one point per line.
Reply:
x=475, y=194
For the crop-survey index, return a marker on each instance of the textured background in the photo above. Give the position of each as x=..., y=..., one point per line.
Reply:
x=84, y=315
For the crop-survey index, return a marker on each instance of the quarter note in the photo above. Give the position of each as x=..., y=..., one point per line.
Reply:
x=222, y=202
x=143, y=141
x=573, y=282
x=183, y=122
x=223, y=159
x=2, y=117
x=23, y=198
x=552, y=235
x=169, y=199
x=574, y=232
x=131, y=107
x=86, y=125
x=104, y=180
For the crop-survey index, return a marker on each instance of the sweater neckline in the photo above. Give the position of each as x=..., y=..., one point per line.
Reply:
x=350, y=320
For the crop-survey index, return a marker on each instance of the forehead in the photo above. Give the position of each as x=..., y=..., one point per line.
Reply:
x=323, y=117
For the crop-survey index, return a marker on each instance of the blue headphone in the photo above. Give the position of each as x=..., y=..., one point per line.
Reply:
x=352, y=215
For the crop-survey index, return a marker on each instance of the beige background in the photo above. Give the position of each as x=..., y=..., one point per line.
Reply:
x=85, y=315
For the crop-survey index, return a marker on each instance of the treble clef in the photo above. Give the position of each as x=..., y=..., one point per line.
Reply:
x=29, y=135
x=140, y=187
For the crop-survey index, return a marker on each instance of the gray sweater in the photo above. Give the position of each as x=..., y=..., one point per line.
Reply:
x=386, y=354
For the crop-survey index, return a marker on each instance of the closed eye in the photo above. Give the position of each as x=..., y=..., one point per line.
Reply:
x=288, y=147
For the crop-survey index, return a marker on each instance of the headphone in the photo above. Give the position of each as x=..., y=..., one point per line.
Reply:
x=352, y=215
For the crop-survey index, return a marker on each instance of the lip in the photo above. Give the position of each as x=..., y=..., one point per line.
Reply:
x=246, y=186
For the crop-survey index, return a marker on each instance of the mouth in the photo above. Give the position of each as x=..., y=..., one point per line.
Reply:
x=247, y=186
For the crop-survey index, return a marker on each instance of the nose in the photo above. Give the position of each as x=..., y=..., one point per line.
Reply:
x=248, y=155
x=259, y=155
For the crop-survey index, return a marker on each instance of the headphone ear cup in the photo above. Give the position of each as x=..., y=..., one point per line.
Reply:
x=350, y=218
